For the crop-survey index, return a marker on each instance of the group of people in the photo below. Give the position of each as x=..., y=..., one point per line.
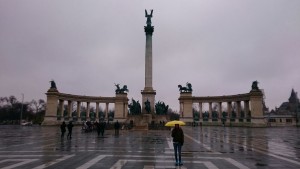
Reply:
x=88, y=127
x=63, y=129
x=177, y=134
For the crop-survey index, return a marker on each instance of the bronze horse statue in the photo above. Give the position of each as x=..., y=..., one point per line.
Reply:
x=186, y=89
x=121, y=90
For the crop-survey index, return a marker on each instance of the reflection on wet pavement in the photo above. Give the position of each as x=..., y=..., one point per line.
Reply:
x=204, y=147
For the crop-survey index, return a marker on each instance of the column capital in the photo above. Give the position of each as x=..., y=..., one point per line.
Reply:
x=149, y=30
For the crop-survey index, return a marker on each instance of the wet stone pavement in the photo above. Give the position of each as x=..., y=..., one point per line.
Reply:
x=39, y=147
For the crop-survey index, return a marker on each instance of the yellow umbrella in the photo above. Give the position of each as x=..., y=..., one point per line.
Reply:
x=172, y=123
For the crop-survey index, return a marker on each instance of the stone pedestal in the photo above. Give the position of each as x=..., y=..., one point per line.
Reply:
x=256, y=103
x=51, y=107
x=150, y=96
x=186, y=108
x=121, y=110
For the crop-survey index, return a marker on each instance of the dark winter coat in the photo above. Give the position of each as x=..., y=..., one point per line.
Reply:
x=177, y=135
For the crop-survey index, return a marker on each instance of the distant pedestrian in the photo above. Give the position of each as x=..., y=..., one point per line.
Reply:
x=102, y=128
x=63, y=129
x=98, y=128
x=178, y=140
x=70, y=127
x=117, y=128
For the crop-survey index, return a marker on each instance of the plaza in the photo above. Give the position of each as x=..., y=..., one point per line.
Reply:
x=41, y=147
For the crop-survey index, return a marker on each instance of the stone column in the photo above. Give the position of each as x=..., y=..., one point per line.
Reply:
x=229, y=109
x=97, y=111
x=78, y=110
x=238, y=109
x=220, y=110
x=210, y=111
x=246, y=109
x=148, y=93
x=87, y=111
x=70, y=109
x=200, y=111
x=106, y=110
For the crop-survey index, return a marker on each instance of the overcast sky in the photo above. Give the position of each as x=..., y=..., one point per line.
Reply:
x=86, y=46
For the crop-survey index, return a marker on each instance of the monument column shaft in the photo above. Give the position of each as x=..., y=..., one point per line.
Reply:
x=148, y=63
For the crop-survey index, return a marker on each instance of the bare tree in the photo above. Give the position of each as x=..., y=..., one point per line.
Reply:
x=37, y=106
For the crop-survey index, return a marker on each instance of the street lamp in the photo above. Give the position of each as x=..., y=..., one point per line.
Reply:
x=21, y=108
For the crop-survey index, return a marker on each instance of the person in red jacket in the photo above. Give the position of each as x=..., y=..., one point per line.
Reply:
x=178, y=140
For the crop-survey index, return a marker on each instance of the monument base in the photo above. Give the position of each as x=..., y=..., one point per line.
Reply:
x=150, y=96
x=258, y=122
x=50, y=121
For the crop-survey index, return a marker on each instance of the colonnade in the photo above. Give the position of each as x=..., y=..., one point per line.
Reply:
x=56, y=100
x=251, y=104
x=228, y=110
x=78, y=109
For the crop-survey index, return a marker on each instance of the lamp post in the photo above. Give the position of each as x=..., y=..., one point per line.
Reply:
x=22, y=108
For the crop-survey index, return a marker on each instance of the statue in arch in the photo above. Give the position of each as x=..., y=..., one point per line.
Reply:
x=53, y=85
x=148, y=22
x=147, y=106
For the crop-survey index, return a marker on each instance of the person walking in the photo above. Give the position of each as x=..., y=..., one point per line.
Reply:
x=70, y=127
x=63, y=129
x=102, y=128
x=117, y=127
x=178, y=140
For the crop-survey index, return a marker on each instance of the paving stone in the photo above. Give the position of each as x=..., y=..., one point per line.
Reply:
x=205, y=147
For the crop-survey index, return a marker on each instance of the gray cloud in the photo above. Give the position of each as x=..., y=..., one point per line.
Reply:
x=87, y=46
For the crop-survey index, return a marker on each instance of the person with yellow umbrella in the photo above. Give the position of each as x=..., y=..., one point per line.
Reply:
x=178, y=139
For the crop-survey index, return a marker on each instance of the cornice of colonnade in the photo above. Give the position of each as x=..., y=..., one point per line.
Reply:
x=224, y=98
x=80, y=98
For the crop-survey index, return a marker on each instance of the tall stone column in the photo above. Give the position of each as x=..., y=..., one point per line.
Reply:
x=148, y=94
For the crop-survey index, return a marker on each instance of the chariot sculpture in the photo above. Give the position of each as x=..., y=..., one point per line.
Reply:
x=186, y=89
x=121, y=90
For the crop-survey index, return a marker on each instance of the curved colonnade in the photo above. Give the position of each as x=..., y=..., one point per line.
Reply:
x=56, y=100
x=252, y=109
